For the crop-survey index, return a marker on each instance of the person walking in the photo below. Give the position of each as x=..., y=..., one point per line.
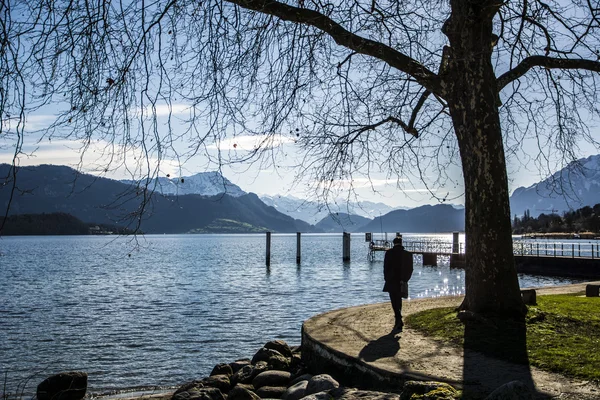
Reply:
x=397, y=271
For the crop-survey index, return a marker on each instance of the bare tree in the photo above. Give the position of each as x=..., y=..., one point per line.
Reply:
x=409, y=87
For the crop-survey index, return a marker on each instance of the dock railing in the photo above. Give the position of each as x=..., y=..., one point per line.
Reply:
x=557, y=249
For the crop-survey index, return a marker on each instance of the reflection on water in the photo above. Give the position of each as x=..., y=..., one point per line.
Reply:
x=180, y=303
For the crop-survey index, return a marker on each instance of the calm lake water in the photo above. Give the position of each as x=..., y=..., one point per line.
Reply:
x=165, y=309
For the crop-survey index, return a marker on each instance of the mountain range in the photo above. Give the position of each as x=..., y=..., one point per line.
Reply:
x=203, y=183
x=572, y=187
x=92, y=199
x=313, y=212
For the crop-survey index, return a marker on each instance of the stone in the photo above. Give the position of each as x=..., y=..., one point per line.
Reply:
x=429, y=389
x=206, y=393
x=63, y=386
x=592, y=290
x=248, y=372
x=280, y=346
x=271, y=392
x=240, y=392
x=514, y=390
x=187, y=390
x=239, y=364
x=271, y=378
x=529, y=297
x=265, y=354
x=296, y=391
x=222, y=369
x=321, y=383
x=302, y=377
x=220, y=382
x=279, y=362
x=343, y=393
x=318, y=396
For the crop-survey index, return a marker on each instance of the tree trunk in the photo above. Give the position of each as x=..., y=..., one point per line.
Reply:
x=491, y=282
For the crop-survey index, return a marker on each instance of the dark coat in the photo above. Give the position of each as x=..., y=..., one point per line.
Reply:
x=397, y=267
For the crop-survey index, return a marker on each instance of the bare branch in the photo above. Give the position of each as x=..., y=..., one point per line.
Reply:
x=546, y=62
x=347, y=39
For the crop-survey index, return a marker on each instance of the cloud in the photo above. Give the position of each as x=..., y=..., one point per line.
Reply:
x=100, y=158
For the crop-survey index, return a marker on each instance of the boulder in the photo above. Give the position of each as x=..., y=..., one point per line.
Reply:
x=271, y=378
x=515, y=390
x=187, y=391
x=220, y=382
x=241, y=392
x=296, y=391
x=206, y=393
x=271, y=392
x=279, y=362
x=302, y=377
x=321, y=383
x=239, y=364
x=63, y=386
x=248, y=372
x=280, y=346
x=265, y=354
x=318, y=396
x=342, y=393
x=429, y=389
x=222, y=369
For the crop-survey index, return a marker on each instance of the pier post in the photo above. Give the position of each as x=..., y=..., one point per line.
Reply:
x=298, y=247
x=455, y=244
x=346, y=247
x=268, y=260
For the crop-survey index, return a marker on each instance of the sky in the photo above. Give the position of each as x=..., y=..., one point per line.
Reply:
x=271, y=180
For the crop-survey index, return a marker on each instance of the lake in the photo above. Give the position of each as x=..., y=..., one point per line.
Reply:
x=160, y=310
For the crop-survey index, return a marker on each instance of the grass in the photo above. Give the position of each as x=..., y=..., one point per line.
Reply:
x=562, y=334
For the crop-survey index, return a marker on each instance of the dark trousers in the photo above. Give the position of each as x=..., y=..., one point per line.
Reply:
x=396, y=299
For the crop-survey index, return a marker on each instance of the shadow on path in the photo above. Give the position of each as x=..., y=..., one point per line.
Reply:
x=497, y=340
x=386, y=346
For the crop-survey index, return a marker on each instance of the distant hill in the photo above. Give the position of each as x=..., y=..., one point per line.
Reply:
x=50, y=188
x=342, y=222
x=54, y=224
x=204, y=183
x=573, y=187
x=424, y=219
x=312, y=212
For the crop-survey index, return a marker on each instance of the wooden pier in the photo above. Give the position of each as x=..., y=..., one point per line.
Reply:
x=532, y=257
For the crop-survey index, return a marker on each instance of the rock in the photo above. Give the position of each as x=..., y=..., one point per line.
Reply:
x=296, y=391
x=280, y=363
x=318, y=396
x=302, y=377
x=63, y=386
x=529, y=297
x=239, y=364
x=240, y=392
x=271, y=392
x=271, y=378
x=187, y=390
x=265, y=354
x=321, y=383
x=280, y=346
x=248, y=372
x=342, y=393
x=515, y=390
x=206, y=393
x=434, y=390
x=220, y=382
x=222, y=369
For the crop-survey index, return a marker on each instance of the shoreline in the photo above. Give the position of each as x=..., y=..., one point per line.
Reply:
x=412, y=305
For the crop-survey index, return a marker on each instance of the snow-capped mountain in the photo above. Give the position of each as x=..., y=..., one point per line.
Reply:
x=575, y=186
x=312, y=212
x=203, y=183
